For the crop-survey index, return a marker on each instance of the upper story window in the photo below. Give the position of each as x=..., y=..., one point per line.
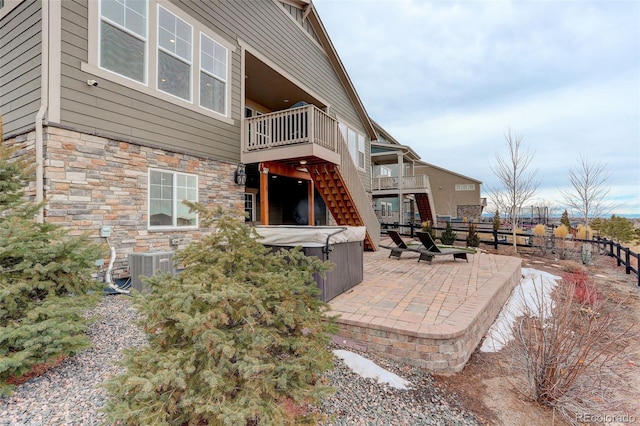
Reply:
x=174, y=54
x=384, y=171
x=123, y=37
x=355, y=143
x=213, y=74
x=465, y=187
x=154, y=47
x=167, y=190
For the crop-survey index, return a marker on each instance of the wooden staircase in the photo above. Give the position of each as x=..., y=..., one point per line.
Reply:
x=331, y=185
x=424, y=208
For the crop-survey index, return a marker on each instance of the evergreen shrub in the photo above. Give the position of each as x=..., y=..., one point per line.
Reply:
x=473, y=239
x=448, y=237
x=236, y=337
x=45, y=281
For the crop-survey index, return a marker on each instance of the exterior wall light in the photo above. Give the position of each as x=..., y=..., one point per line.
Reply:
x=241, y=174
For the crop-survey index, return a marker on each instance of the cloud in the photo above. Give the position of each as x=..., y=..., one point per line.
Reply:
x=448, y=78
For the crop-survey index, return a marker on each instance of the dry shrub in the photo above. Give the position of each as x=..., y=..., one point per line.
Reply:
x=581, y=232
x=564, y=345
x=539, y=233
x=572, y=266
x=562, y=245
x=561, y=231
x=584, y=291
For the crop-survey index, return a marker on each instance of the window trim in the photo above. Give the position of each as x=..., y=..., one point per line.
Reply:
x=8, y=6
x=92, y=64
x=465, y=187
x=201, y=70
x=360, y=137
x=175, y=202
x=252, y=216
x=144, y=39
x=175, y=56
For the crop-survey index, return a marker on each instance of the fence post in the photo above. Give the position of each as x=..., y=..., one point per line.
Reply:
x=627, y=260
x=611, y=248
x=495, y=239
x=618, y=258
x=412, y=225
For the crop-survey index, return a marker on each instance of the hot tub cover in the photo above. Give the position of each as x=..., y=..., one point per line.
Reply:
x=309, y=236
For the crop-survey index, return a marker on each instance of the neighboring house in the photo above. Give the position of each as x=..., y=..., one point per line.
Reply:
x=400, y=194
x=456, y=196
x=127, y=108
x=406, y=189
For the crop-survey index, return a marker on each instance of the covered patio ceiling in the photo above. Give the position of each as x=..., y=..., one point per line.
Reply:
x=271, y=89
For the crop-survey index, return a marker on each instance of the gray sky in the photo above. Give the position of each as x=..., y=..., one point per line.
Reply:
x=449, y=78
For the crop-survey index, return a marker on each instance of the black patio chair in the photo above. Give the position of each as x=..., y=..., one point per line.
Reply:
x=400, y=245
x=429, y=249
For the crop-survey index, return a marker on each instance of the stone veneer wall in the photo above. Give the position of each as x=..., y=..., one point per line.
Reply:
x=438, y=352
x=469, y=212
x=92, y=181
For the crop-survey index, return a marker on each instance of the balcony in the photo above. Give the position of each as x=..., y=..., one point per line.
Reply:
x=294, y=134
x=394, y=184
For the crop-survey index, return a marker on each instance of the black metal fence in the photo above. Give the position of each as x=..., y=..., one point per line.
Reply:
x=623, y=255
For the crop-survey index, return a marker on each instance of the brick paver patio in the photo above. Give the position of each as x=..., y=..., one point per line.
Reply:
x=429, y=315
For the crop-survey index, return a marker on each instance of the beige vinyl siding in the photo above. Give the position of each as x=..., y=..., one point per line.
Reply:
x=20, y=68
x=298, y=14
x=121, y=113
x=266, y=26
x=115, y=111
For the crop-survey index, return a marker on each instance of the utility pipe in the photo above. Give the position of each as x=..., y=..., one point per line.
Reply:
x=44, y=105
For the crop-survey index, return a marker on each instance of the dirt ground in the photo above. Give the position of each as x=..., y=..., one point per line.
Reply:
x=489, y=388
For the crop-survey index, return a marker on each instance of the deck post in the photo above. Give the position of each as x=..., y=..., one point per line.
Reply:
x=264, y=195
x=310, y=203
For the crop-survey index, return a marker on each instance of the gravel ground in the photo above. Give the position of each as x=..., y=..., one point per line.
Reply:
x=70, y=394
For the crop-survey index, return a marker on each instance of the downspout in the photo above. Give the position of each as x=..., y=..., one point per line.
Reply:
x=44, y=104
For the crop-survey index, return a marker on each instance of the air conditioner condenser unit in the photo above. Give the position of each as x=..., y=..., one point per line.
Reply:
x=147, y=265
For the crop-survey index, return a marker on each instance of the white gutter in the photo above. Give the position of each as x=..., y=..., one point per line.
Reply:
x=44, y=104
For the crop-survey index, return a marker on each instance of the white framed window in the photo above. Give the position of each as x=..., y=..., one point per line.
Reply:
x=250, y=206
x=384, y=171
x=123, y=38
x=355, y=143
x=167, y=190
x=361, y=154
x=154, y=47
x=213, y=74
x=386, y=208
x=175, y=48
x=465, y=187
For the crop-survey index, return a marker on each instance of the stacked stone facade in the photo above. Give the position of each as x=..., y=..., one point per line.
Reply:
x=470, y=213
x=91, y=182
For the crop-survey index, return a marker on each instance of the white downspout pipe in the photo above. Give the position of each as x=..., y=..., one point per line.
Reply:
x=44, y=104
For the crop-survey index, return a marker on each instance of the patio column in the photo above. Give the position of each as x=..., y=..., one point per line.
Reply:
x=264, y=195
x=310, y=203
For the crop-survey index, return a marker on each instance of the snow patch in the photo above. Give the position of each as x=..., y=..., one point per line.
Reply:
x=370, y=370
x=523, y=296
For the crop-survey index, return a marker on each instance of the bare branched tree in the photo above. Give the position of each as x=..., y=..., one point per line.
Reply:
x=518, y=185
x=588, y=196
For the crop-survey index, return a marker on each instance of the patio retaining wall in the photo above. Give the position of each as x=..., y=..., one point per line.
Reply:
x=442, y=348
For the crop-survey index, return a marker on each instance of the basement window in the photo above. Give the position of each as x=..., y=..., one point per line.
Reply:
x=167, y=190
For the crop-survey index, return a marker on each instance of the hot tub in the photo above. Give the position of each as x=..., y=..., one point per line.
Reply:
x=341, y=245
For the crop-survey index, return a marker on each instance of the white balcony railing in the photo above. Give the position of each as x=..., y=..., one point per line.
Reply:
x=405, y=183
x=306, y=124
